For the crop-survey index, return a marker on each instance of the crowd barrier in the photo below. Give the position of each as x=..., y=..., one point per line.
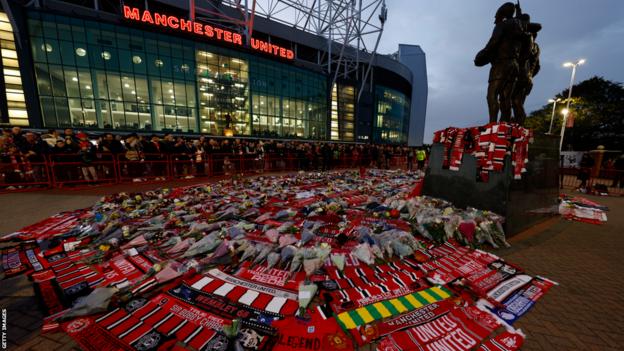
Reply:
x=609, y=181
x=77, y=171
x=73, y=171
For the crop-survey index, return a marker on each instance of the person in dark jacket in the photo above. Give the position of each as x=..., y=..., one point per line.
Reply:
x=326, y=154
x=87, y=155
x=110, y=144
x=34, y=148
x=153, y=152
x=63, y=156
x=181, y=156
x=387, y=151
x=167, y=144
x=619, y=172
x=35, y=151
x=374, y=156
x=587, y=163
x=17, y=136
x=69, y=136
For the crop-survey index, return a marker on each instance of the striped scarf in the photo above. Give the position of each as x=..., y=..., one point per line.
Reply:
x=260, y=297
x=392, y=307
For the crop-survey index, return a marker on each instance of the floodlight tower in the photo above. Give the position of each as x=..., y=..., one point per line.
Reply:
x=349, y=26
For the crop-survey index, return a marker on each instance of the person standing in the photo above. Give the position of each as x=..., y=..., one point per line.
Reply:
x=108, y=150
x=387, y=152
x=87, y=155
x=587, y=163
x=157, y=162
x=17, y=137
x=327, y=154
x=260, y=157
x=421, y=156
x=134, y=155
x=199, y=155
x=181, y=157
x=51, y=137
x=62, y=153
x=410, y=158
x=619, y=172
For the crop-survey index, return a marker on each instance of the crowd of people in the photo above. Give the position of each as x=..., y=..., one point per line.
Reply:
x=26, y=152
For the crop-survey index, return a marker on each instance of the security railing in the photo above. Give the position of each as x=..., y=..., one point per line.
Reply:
x=78, y=171
x=590, y=180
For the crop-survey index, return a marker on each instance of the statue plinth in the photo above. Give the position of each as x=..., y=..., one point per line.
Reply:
x=523, y=202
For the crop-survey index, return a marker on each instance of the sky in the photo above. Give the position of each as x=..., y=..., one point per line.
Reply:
x=451, y=32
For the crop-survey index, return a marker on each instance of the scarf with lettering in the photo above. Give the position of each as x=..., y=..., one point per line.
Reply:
x=312, y=332
x=505, y=341
x=459, y=330
x=390, y=308
x=521, y=301
x=146, y=325
x=258, y=296
x=74, y=277
x=369, y=332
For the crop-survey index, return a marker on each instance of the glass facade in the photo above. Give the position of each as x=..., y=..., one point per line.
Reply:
x=16, y=113
x=391, y=122
x=287, y=101
x=342, y=112
x=223, y=91
x=104, y=76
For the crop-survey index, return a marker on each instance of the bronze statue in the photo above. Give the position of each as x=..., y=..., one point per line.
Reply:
x=503, y=51
x=529, y=67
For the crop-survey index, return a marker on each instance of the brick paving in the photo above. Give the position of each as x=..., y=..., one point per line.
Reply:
x=586, y=312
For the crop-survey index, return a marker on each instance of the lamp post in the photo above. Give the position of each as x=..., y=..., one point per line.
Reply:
x=567, y=109
x=552, y=118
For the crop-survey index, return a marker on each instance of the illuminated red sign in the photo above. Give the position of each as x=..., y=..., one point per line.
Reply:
x=200, y=29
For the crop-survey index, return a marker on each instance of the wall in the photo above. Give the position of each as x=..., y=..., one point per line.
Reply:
x=414, y=57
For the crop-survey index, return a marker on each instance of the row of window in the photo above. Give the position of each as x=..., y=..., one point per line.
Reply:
x=91, y=76
x=392, y=116
x=342, y=112
x=96, y=75
x=13, y=90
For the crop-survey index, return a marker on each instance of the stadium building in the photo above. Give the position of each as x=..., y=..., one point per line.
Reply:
x=211, y=67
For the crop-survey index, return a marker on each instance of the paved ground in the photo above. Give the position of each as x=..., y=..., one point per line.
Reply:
x=586, y=312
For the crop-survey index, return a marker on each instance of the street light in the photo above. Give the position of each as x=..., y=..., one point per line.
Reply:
x=552, y=118
x=567, y=109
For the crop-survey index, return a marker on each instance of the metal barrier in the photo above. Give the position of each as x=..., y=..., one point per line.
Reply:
x=398, y=162
x=75, y=171
x=24, y=176
x=146, y=168
x=608, y=181
x=215, y=165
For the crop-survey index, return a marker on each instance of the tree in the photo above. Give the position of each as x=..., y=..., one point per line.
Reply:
x=597, y=107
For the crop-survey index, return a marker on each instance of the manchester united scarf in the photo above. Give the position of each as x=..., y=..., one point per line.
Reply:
x=455, y=331
x=258, y=296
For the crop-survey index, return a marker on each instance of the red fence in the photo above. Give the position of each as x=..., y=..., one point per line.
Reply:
x=76, y=171
x=603, y=181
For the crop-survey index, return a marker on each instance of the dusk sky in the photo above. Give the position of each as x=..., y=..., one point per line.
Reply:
x=451, y=32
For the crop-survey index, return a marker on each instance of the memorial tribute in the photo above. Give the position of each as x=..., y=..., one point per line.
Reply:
x=501, y=166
